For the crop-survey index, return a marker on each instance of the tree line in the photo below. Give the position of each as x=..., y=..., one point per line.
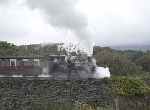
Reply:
x=124, y=63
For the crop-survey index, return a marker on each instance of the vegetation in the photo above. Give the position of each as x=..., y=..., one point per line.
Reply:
x=123, y=63
x=7, y=49
x=125, y=86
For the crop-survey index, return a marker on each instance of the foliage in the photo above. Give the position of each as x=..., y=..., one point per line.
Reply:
x=124, y=86
x=118, y=62
x=7, y=48
x=133, y=54
x=144, y=61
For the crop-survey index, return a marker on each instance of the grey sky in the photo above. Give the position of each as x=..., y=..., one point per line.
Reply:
x=104, y=22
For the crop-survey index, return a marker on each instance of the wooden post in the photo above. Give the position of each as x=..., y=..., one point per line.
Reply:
x=116, y=103
x=88, y=106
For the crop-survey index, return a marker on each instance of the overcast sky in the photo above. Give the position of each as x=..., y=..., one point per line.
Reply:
x=104, y=22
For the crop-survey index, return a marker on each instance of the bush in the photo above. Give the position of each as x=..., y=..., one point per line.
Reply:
x=124, y=86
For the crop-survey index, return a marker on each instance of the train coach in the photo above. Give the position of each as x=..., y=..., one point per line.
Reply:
x=25, y=66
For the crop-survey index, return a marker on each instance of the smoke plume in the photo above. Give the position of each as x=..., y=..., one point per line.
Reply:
x=63, y=14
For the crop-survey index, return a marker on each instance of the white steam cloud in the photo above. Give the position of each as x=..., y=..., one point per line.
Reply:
x=3, y=1
x=63, y=14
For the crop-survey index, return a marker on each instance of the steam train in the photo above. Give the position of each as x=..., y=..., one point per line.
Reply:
x=55, y=66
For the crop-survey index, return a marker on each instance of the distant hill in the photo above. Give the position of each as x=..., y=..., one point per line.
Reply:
x=131, y=47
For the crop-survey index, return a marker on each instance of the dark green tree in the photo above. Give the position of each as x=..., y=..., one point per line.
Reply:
x=144, y=61
x=7, y=49
x=119, y=63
